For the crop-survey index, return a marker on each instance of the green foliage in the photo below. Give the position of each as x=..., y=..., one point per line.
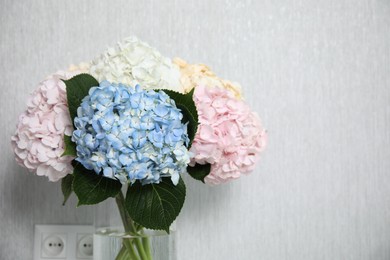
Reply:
x=155, y=206
x=91, y=188
x=199, y=171
x=187, y=105
x=70, y=147
x=76, y=89
x=66, y=187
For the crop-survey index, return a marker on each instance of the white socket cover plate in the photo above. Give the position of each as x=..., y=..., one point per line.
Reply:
x=67, y=242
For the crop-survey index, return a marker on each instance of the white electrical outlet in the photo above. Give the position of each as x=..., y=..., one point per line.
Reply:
x=84, y=246
x=53, y=246
x=66, y=242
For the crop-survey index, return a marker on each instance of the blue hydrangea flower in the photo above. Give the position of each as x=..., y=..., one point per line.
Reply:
x=131, y=134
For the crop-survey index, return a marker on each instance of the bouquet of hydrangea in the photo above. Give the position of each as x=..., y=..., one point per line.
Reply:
x=132, y=120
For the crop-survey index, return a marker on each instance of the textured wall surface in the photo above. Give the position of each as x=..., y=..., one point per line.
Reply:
x=318, y=74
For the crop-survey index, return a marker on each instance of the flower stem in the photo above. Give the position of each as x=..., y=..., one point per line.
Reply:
x=130, y=249
x=123, y=254
x=126, y=220
x=129, y=226
x=146, y=244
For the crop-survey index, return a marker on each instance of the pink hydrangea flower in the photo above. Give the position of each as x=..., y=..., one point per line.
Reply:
x=229, y=137
x=38, y=142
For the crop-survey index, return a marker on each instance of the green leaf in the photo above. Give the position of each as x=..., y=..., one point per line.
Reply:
x=199, y=171
x=66, y=187
x=188, y=108
x=92, y=188
x=155, y=206
x=76, y=89
x=70, y=147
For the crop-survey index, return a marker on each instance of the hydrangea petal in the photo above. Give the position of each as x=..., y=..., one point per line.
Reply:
x=38, y=142
x=123, y=137
x=230, y=137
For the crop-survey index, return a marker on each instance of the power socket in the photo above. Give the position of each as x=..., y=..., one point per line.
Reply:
x=84, y=246
x=66, y=242
x=53, y=245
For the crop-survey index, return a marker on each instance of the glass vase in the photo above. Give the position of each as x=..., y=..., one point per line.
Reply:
x=114, y=243
x=117, y=237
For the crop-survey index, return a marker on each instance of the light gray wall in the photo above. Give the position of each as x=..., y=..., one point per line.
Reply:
x=316, y=71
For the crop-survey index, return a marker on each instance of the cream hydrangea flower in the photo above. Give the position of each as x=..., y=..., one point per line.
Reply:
x=82, y=67
x=134, y=62
x=193, y=75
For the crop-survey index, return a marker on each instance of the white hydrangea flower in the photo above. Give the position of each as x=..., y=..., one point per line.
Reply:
x=134, y=62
